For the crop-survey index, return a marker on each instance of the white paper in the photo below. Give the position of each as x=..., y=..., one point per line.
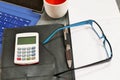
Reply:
x=86, y=46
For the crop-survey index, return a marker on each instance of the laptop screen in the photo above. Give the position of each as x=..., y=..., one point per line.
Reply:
x=32, y=4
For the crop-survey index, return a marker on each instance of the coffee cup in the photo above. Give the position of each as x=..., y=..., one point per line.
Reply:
x=55, y=8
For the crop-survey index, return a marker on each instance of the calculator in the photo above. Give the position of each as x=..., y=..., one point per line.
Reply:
x=26, y=48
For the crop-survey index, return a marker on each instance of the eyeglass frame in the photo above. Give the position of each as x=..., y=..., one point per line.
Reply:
x=103, y=37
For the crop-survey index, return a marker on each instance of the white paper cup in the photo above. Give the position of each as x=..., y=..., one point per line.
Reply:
x=55, y=10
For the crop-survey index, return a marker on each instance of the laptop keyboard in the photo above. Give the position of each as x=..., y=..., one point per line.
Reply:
x=11, y=21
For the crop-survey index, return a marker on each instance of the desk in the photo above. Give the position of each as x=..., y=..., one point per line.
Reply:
x=109, y=18
x=45, y=19
x=106, y=13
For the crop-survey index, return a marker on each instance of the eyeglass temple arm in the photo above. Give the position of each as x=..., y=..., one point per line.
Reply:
x=62, y=28
x=85, y=66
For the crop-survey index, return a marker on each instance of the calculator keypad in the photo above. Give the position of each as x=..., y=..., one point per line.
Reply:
x=26, y=54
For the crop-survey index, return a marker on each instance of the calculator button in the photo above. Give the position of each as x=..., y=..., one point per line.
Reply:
x=33, y=54
x=33, y=47
x=28, y=58
x=28, y=55
x=23, y=52
x=18, y=58
x=33, y=58
x=19, y=52
x=23, y=48
x=33, y=51
x=28, y=51
x=18, y=55
x=18, y=48
x=23, y=55
x=23, y=59
x=28, y=48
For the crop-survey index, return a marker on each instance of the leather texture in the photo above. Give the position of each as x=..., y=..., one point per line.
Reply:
x=52, y=59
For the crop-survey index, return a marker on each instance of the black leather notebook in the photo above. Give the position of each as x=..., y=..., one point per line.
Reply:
x=52, y=59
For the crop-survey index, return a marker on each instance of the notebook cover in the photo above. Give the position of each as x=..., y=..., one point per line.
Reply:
x=52, y=59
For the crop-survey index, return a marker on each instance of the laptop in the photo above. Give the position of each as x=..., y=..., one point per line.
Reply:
x=19, y=13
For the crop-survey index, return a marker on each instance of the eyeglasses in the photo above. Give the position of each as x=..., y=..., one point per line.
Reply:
x=100, y=34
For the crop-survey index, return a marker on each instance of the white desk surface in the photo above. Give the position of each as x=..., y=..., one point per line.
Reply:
x=106, y=13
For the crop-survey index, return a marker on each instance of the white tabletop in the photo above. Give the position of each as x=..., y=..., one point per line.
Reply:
x=106, y=13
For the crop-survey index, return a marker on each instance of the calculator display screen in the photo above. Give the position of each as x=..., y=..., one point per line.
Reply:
x=26, y=40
